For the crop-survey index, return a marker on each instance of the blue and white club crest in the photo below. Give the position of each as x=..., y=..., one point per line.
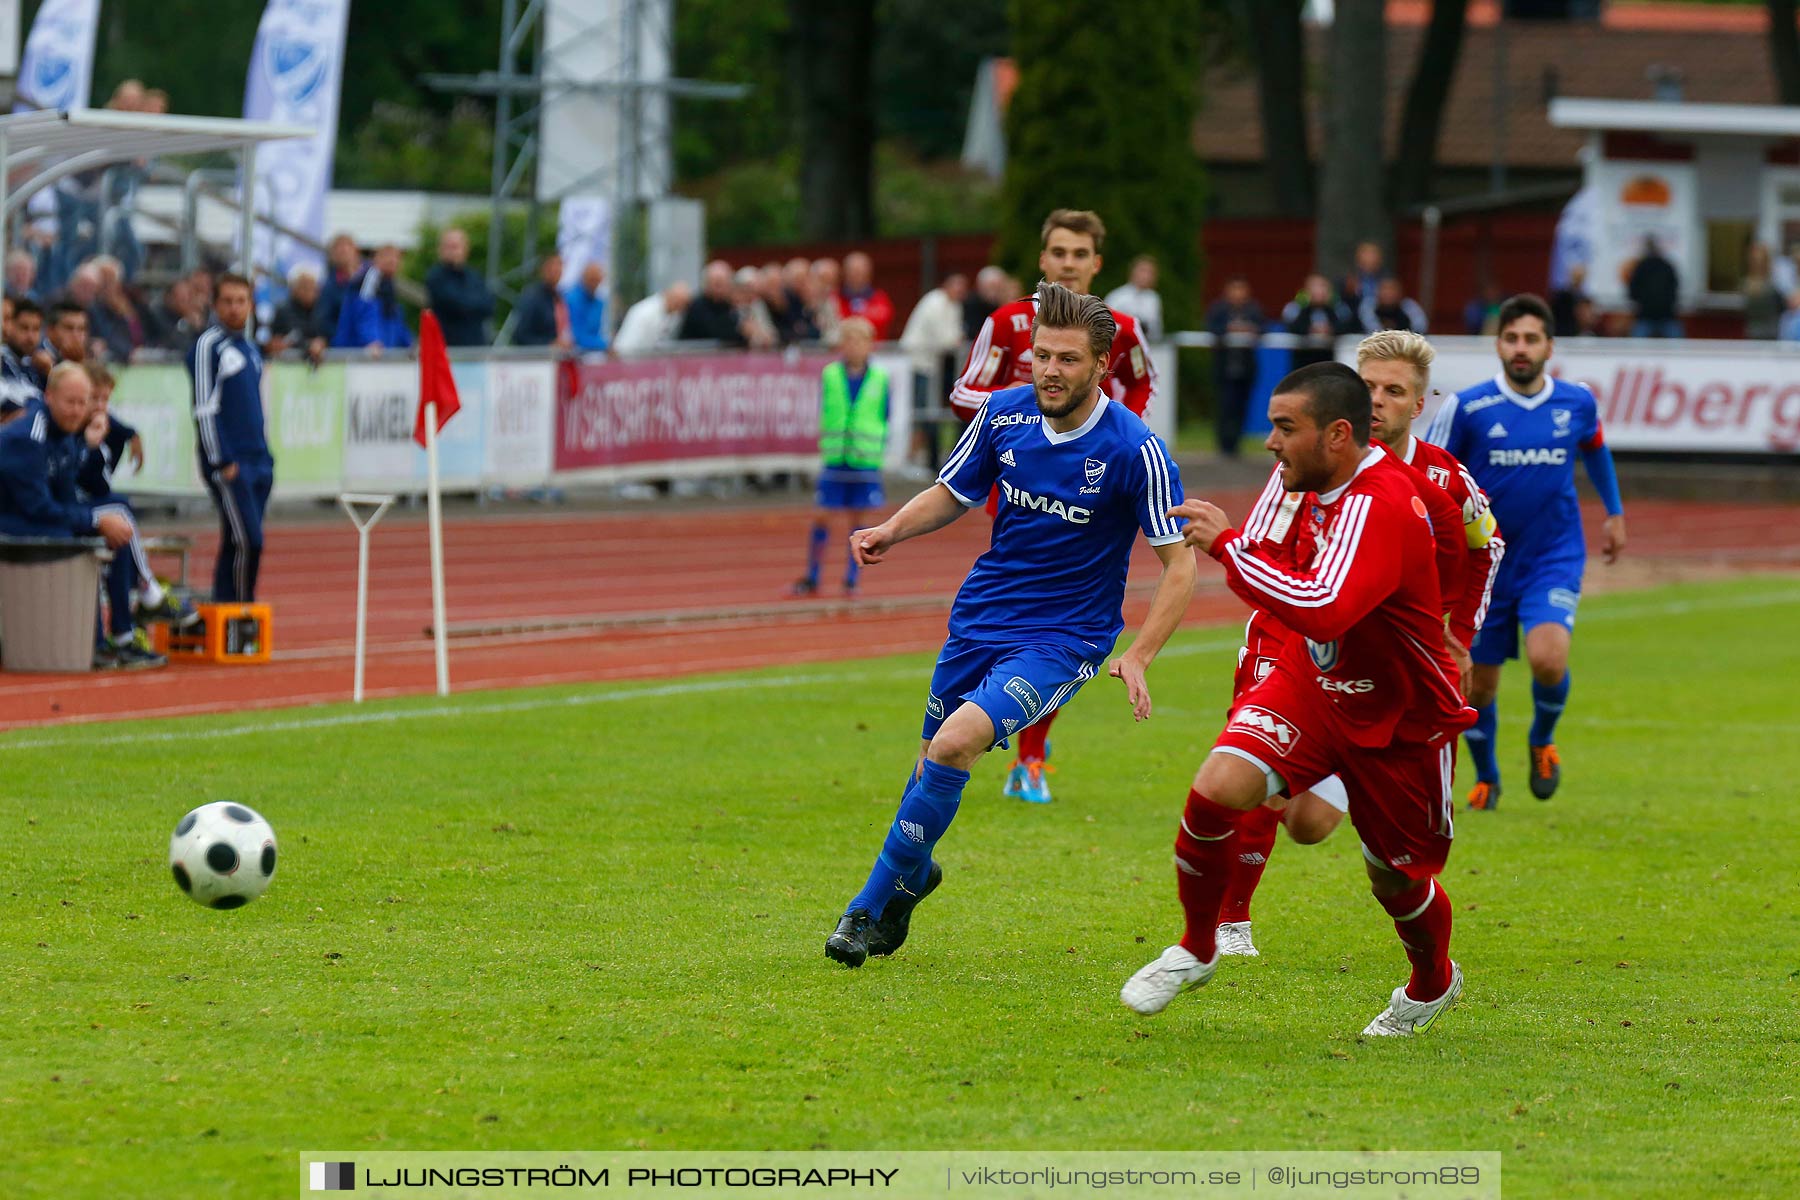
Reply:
x=1324, y=654
x=1095, y=469
x=297, y=65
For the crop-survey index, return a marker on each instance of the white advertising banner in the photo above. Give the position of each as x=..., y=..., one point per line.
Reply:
x=521, y=423
x=1676, y=397
x=58, y=69
x=296, y=72
x=381, y=405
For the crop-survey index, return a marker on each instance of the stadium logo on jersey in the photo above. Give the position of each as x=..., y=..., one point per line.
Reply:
x=1073, y=514
x=913, y=831
x=935, y=707
x=1026, y=695
x=1538, y=456
x=1015, y=419
x=1438, y=475
x=1007, y=459
x=1324, y=654
x=1095, y=469
x=1560, y=419
x=1266, y=727
x=1497, y=431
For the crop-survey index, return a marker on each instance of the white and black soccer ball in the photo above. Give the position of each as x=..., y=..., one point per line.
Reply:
x=222, y=855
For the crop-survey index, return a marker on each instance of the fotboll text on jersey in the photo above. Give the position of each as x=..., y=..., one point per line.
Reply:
x=1072, y=513
x=1537, y=456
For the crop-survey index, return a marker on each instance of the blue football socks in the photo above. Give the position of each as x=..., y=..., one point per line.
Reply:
x=815, y=552
x=1480, y=737
x=1547, y=707
x=852, y=571
x=926, y=811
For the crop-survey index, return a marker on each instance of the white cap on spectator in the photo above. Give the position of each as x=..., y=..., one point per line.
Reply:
x=745, y=277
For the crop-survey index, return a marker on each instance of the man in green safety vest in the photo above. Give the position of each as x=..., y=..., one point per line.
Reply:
x=853, y=421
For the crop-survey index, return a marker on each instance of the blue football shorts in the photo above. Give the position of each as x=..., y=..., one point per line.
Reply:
x=1545, y=592
x=1015, y=686
x=842, y=488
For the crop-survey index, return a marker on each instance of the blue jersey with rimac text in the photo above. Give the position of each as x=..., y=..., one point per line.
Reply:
x=1071, y=505
x=1522, y=451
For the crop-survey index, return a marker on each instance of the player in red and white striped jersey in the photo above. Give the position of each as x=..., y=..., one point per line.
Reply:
x=1366, y=691
x=1396, y=366
x=1001, y=358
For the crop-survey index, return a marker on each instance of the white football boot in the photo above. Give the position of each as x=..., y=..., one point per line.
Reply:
x=1405, y=1016
x=1234, y=940
x=1173, y=972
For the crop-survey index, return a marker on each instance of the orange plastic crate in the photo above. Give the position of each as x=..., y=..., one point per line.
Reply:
x=227, y=633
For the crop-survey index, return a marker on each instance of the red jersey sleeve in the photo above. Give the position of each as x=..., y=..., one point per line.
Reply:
x=1485, y=549
x=1133, y=370
x=1355, y=570
x=990, y=362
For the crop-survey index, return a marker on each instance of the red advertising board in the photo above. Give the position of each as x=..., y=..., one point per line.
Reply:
x=687, y=407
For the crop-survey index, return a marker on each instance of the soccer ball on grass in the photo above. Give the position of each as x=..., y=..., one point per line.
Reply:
x=222, y=855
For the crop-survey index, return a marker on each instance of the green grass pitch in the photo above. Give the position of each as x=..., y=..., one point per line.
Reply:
x=594, y=919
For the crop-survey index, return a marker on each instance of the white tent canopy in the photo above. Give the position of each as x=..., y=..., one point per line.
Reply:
x=54, y=143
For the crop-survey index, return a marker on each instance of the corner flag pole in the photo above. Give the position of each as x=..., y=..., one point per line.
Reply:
x=434, y=518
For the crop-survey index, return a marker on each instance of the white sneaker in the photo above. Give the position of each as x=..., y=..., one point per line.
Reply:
x=1234, y=940
x=1405, y=1016
x=1175, y=971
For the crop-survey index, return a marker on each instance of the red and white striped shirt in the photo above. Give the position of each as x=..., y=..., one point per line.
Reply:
x=1001, y=358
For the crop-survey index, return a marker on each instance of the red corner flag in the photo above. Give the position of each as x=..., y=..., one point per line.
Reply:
x=435, y=381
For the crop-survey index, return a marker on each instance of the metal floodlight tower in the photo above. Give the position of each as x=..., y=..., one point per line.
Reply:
x=611, y=61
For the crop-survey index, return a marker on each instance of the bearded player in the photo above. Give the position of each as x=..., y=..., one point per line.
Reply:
x=1001, y=358
x=1396, y=366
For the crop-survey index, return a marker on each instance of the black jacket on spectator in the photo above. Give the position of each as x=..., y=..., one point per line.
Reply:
x=1562, y=311
x=110, y=327
x=95, y=479
x=463, y=304
x=1653, y=288
x=710, y=320
x=792, y=322
x=536, y=316
x=1328, y=320
x=331, y=298
x=1233, y=362
x=300, y=325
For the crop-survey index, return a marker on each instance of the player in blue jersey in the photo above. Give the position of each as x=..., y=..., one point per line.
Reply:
x=1080, y=478
x=1519, y=434
x=235, y=463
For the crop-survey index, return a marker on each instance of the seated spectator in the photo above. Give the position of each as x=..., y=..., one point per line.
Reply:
x=298, y=322
x=861, y=298
x=21, y=375
x=990, y=292
x=117, y=324
x=653, y=321
x=459, y=296
x=1391, y=308
x=713, y=315
x=1138, y=297
x=1234, y=317
x=41, y=455
x=1319, y=317
x=371, y=317
x=586, y=301
x=343, y=262
x=541, y=317
x=21, y=274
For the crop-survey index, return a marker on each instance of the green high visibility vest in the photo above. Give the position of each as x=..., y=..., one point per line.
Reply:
x=852, y=434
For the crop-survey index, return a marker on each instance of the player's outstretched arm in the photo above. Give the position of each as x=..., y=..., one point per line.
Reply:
x=1167, y=606
x=927, y=512
x=1596, y=455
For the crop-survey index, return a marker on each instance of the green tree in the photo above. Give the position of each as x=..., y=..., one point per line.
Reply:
x=1076, y=138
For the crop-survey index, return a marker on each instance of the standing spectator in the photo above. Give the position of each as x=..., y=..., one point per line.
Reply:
x=1235, y=321
x=861, y=298
x=344, y=262
x=541, y=317
x=654, y=320
x=114, y=318
x=68, y=336
x=712, y=317
x=226, y=369
x=989, y=293
x=933, y=339
x=1481, y=316
x=822, y=299
x=371, y=317
x=1318, y=316
x=21, y=379
x=1138, y=296
x=1763, y=305
x=586, y=302
x=786, y=302
x=459, y=296
x=1389, y=307
x=21, y=274
x=40, y=465
x=1566, y=300
x=298, y=321
x=753, y=315
x=853, y=421
x=176, y=318
x=1654, y=288
x=1366, y=274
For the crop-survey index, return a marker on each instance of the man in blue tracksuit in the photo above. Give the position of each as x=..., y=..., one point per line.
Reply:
x=235, y=463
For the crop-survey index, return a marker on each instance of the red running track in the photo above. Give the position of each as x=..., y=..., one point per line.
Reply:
x=581, y=597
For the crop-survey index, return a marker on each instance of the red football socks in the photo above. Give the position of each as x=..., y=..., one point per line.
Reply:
x=1032, y=738
x=1204, y=848
x=1422, y=919
x=1254, y=843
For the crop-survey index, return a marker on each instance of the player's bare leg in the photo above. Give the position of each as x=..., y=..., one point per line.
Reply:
x=1484, y=686
x=878, y=919
x=1227, y=787
x=1309, y=817
x=1547, y=650
x=1422, y=917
